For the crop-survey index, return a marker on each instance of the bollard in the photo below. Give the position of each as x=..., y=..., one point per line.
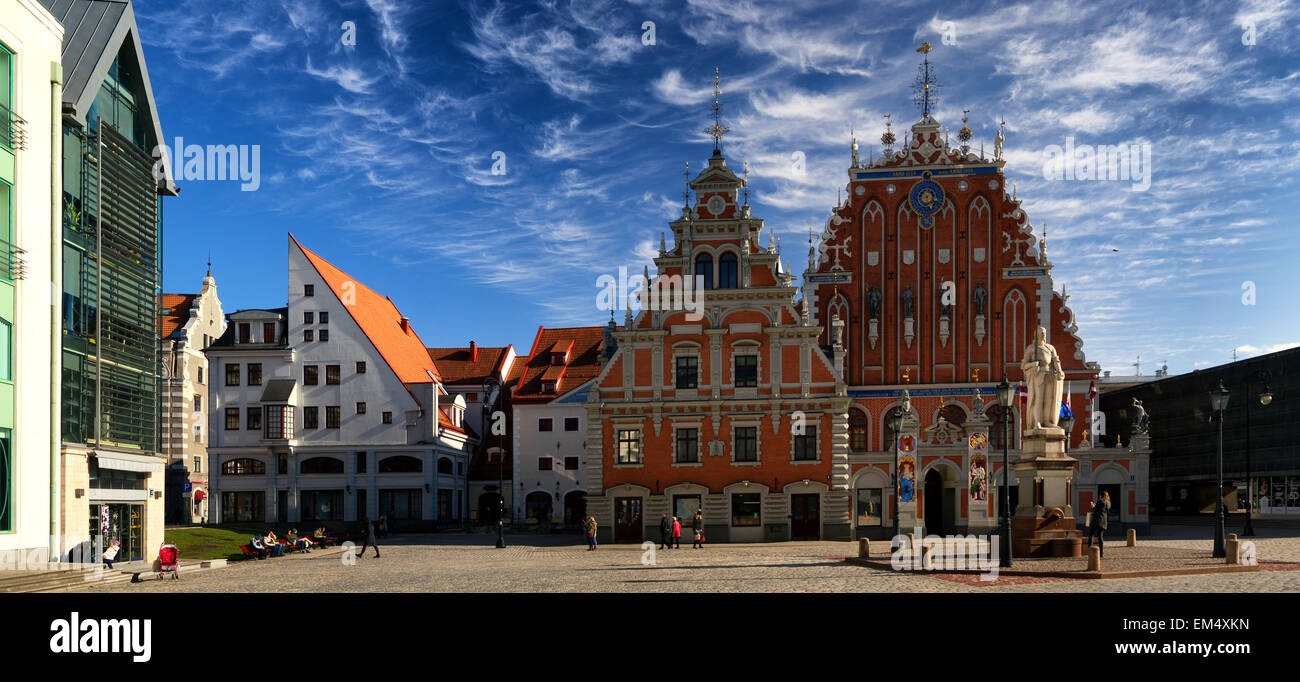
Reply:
x=1094, y=559
x=1233, y=547
x=864, y=547
x=1132, y=537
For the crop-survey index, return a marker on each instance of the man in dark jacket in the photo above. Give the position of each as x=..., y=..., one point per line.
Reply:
x=1100, y=520
x=370, y=540
x=665, y=531
x=697, y=528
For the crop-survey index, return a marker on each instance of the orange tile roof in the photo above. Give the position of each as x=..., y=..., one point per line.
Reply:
x=583, y=345
x=380, y=321
x=180, y=305
x=456, y=367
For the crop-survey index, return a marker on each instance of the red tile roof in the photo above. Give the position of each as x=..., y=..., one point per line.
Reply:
x=455, y=365
x=583, y=345
x=380, y=320
x=180, y=305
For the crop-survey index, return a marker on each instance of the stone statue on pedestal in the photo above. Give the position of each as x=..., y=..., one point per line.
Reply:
x=1045, y=380
x=1140, y=419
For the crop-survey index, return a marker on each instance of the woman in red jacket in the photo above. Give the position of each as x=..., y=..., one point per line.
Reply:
x=677, y=533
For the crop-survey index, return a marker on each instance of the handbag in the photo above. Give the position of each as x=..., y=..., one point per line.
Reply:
x=1088, y=522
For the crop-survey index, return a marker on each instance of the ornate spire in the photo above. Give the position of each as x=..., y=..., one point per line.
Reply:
x=686, y=193
x=888, y=138
x=925, y=87
x=965, y=133
x=717, y=130
x=663, y=245
x=853, y=148
x=745, y=185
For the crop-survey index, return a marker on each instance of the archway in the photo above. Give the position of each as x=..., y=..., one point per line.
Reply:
x=537, y=507
x=934, y=504
x=575, y=508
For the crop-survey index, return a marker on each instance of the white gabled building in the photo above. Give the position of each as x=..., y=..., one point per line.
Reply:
x=331, y=410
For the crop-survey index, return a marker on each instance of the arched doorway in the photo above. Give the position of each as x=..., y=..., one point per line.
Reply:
x=489, y=507
x=537, y=507
x=575, y=508
x=934, y=504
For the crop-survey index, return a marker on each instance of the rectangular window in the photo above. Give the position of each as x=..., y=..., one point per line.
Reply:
x=746, y=371
x=309, y=290
x=361, y=368
x=869, y=509
x=245, y=332
x=545, y=464
x=746, y=444
x=244, y=507
x=279, y=422
x=332, y=373
x=805, y=446
x=268, y=332
x=200, y=375
x=308, y=336
x=332, y=417
x=254, y=419
x=254, y=374
x=198, y=403
x=688, y=372
x=310, y=375
x=405, y=505
x=324, y=335
x=308, y=317
x=685, y=506
x=232, y=418
x=361, y=462
x=6, y=350
x=198, y=465
x=570, y=423
x=282, y=463
x=688, y=445
x=311, y=417
x=570, y=463
x=321, y=505
x=232, y=374
x=544, y=424
x=629, y=446
x=388, y=418
x=324, y=317
x=361, y=408
x=745, y=509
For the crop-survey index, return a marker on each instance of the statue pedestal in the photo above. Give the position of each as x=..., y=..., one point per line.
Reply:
x=1044, y=524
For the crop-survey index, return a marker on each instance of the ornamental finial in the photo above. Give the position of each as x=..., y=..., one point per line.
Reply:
x=925, y=87
x=717, y=130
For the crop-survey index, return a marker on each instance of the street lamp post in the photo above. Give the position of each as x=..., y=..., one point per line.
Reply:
x=1265, y=397
x=1006, y=394
x=489, y=386
x=1219, y=402
x=896, y=425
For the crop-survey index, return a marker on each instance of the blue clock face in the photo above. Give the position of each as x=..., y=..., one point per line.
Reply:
x=926, y=198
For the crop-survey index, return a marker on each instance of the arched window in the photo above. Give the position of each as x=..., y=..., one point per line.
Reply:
x=857, y=431
x=321, y=465
x=400, y=464
x=537, y=505
x=728, y=271
x=996, y=427
x=243, y=467
x=444, y=466
x=704, y=268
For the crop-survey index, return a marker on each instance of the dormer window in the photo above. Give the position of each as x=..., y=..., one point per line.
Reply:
x=558, y=357
x=245, y=332
x=268, y=332
x=550, y=386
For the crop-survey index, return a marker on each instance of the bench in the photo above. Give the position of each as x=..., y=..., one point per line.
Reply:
x=251, y=554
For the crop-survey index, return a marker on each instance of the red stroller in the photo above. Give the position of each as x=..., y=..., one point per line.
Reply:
x=168, y=561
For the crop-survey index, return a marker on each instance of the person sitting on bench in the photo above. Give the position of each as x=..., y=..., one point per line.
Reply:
x=273, y=545
x=255, y=544
x=300, y=542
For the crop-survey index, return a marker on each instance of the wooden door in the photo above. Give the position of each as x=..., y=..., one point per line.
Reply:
x=628, y=526
x=805, y=517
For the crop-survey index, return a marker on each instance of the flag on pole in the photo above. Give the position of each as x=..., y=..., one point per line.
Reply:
x=1092, y=391
x=1066, y=413
x=1023, y=393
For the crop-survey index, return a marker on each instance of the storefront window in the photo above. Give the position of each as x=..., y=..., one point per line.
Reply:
x=322, y=505
x=746, y=509
x=243, y=506
x=869, y=507
x=402, y=504
x=685, y=506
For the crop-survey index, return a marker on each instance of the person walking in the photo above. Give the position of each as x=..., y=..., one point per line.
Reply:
x=665, y=531
x=677, y=534
x=697, y=527
x=589, y=526
x=370, y=539
x=1099, y=522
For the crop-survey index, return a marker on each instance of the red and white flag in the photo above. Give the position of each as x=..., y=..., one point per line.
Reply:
x=1092, y=390
x=1023, y=392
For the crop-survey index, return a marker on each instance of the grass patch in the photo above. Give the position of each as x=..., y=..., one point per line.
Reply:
x=211, y=542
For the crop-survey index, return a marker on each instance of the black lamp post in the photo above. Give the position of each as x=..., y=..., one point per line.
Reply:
x=1006, y=394
x=489, y=386
x=896, y=425
x=1219, y=402
x=1265, y=397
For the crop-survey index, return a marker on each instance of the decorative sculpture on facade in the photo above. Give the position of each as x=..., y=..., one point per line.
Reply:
x=1045, y=380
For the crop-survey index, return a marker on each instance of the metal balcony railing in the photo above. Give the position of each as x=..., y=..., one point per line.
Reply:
x=13, y=129
x=13, y=261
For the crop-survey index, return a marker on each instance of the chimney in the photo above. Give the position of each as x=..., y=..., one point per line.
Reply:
x=406, y=325
x=473, y=352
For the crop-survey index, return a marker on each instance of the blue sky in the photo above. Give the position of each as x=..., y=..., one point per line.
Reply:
x=378, y=156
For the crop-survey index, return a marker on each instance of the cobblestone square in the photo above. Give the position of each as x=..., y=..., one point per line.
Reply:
x=457, y=563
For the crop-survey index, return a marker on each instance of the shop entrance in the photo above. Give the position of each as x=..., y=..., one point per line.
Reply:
x=805, y=517
x=121, y=522
x=935, y=511
x=627, y=519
